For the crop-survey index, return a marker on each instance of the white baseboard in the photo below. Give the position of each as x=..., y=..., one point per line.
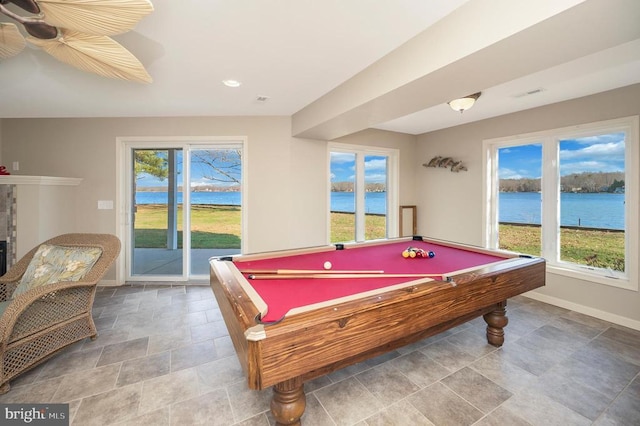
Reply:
x=597, y=313
x=108, y=283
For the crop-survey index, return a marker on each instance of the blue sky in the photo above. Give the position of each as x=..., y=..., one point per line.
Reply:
x=343, y=168
x=200, y=171
x=604, y=153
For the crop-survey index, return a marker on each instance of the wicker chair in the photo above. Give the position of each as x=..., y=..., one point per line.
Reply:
x=39, y=323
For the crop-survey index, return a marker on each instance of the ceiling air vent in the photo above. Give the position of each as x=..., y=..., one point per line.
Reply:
x=529, y=93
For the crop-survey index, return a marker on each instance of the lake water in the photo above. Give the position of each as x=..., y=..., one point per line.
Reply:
x=599, y=210
x=340, y=201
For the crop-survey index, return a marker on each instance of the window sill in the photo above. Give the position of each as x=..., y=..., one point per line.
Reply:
x=623, y=283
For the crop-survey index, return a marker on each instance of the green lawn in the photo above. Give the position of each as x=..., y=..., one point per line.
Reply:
x=597, y=248
x=219, y=226
x=212, y=226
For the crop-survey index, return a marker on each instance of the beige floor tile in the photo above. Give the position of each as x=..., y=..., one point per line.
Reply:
x=66, y=363
x=348, y=401
x=442, y=406
x=144, y=368
x=401, y=413
x=448, y=355
x=247, y=403
x=420, y=369
x=219, y=374
x=503, y=373
x=171, y=339
x=481, y=392
x=387, y=383
x=109, y=407
x=160, y=417
x=168, y=389
x=539, y=409
x=123, y=351
x=193, y=355
x=87, y=382
x=210, y=409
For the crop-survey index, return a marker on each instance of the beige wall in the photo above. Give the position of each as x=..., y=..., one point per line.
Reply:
x=450, y=204
x=286, y=179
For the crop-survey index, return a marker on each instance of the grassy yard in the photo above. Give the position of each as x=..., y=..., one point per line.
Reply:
x=600, y=249
x=212, y=226
x=219, y=226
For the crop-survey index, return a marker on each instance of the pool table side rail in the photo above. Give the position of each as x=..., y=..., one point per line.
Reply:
x=238, y=310
x=312, y=343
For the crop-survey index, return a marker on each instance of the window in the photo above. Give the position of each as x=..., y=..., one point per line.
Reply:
x=570, y=196
x=363, y=195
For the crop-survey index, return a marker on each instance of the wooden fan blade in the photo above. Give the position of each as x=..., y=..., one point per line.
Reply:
x=98, y=17
x=28, y=5
x=97, y=54
x=11, y=41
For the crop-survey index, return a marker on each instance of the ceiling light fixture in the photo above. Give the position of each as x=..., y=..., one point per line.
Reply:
x=76, y=32
x=231, y=83
x=465, y=103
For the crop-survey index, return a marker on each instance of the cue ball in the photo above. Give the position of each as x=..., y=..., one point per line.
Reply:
x=327, y=265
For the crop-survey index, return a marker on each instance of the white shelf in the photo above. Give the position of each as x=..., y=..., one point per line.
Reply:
x=38, y=180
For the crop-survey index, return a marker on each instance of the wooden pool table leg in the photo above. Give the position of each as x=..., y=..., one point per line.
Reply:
x=496, y=321
x=289, y=402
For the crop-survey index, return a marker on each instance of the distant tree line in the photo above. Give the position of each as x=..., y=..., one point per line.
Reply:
x=576, y=182
x=199, y=188
x=348, y=187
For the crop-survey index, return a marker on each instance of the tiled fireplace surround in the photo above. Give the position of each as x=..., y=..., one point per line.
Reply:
x=8, y=221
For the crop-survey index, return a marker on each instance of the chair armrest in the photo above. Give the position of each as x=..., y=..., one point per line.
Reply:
x=18, y=269
x=43, y=306
x=7, y=288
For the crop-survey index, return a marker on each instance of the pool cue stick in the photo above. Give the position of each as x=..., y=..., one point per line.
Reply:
x=307, y=271
x=327, y=276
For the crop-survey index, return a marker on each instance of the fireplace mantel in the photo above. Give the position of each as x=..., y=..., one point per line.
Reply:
x=38, y=180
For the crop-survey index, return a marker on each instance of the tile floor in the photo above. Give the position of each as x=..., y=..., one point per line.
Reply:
x=163, y=357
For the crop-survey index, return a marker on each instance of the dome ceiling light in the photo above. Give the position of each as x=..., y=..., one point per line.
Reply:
x=463, y=104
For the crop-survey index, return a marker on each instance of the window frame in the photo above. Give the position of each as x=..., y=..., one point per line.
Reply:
x=550, y=184
x=392, y=186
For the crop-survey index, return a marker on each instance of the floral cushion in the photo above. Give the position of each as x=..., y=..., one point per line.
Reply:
x=52, y=264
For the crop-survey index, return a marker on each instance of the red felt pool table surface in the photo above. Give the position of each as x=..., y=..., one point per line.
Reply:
x=283, y=295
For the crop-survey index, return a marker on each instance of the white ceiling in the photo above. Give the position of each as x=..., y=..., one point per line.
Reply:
x=291, y=51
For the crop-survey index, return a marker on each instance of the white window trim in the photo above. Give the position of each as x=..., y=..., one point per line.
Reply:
x=124, y=145
x=393, y=203
x=551, y=192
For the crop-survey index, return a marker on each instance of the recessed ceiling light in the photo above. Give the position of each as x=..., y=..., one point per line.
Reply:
x=231, y=83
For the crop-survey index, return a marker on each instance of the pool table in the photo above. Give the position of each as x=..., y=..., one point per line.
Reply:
x=292, y=320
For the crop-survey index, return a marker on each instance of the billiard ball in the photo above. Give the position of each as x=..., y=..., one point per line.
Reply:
x=327, y=265
x=432, y=254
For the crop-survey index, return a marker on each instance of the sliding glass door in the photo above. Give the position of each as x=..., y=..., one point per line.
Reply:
x=215, y=205
x=186, y=207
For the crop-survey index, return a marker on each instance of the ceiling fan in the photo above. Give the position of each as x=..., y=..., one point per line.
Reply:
x=76, y=32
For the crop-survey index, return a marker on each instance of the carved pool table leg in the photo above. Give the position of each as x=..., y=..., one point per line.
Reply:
x=496, y=321
x=289, y=402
